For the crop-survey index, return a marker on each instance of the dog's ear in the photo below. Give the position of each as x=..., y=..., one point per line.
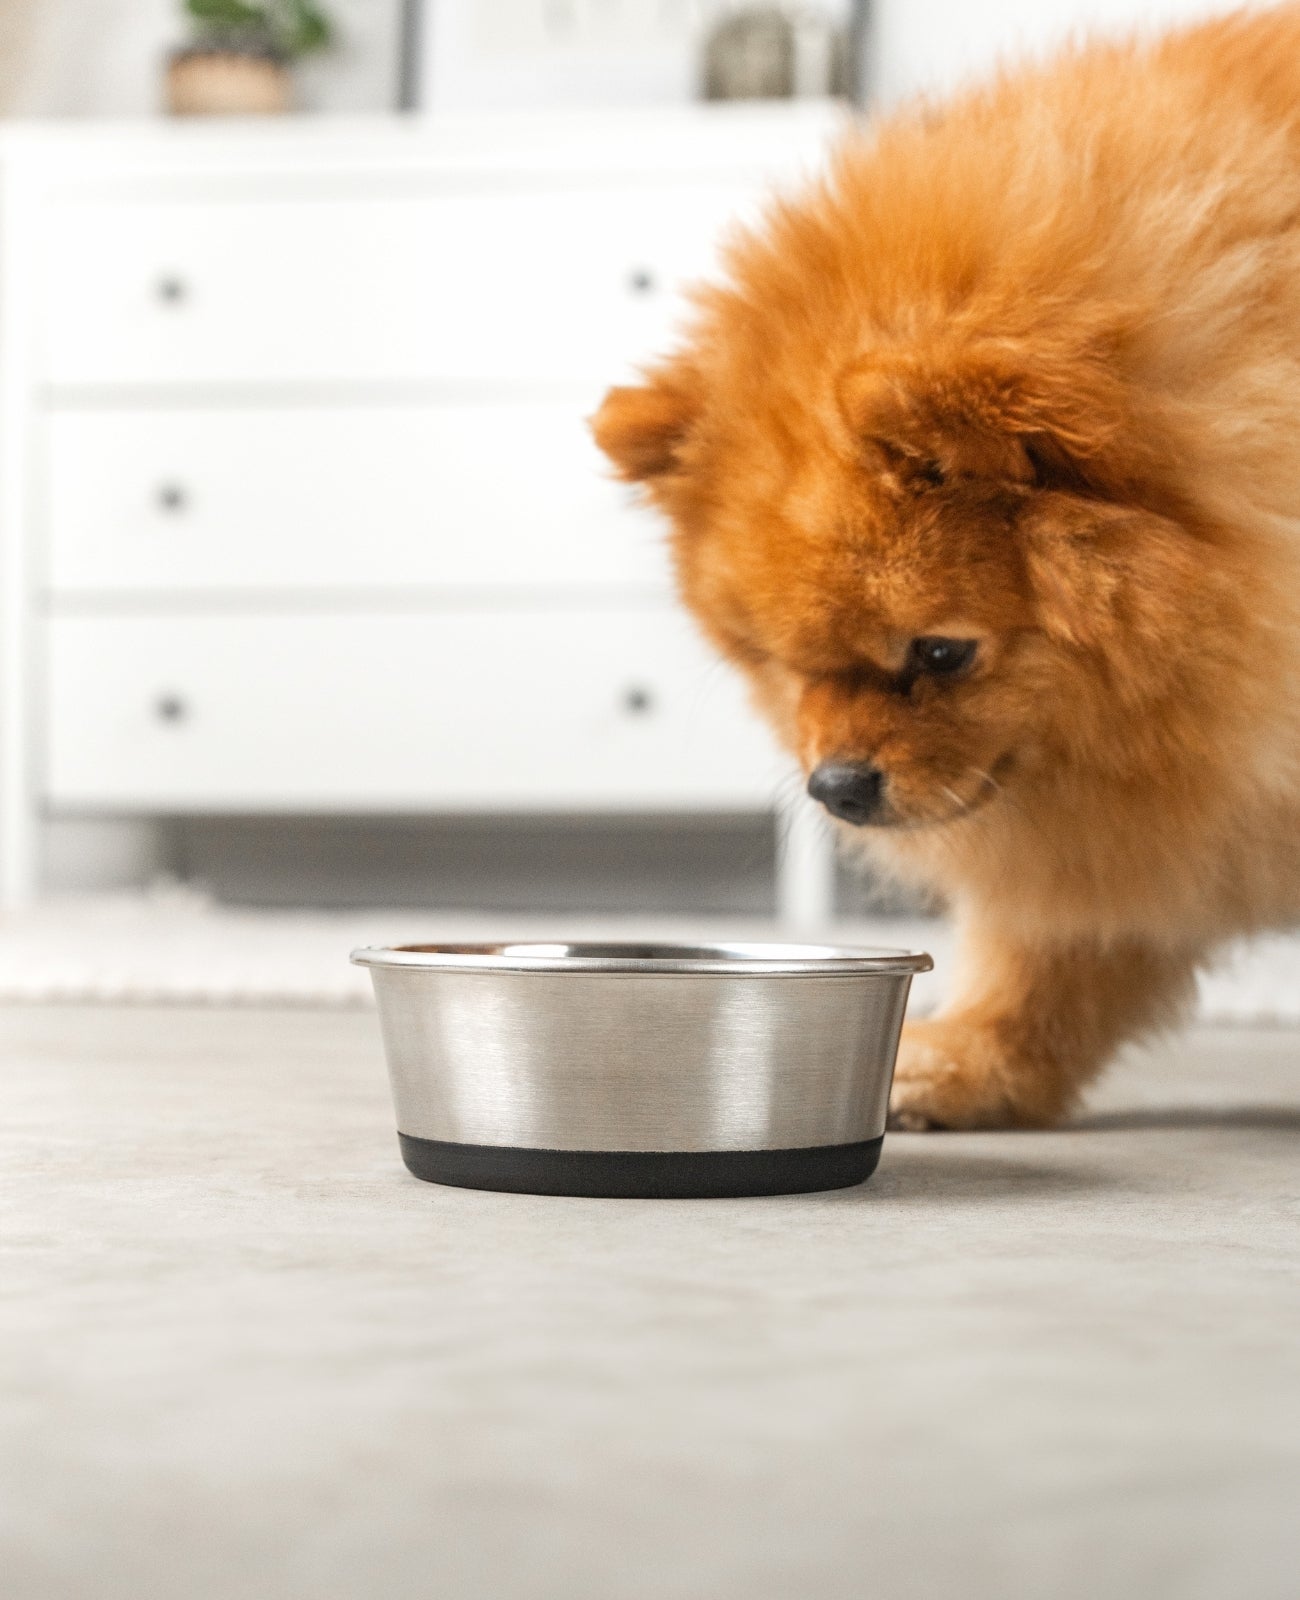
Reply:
x=986, y=413
x=1122, y=581
x=932, y=420
x=643, y=429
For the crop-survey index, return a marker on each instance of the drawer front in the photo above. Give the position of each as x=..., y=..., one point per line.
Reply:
x=568, y=710
x=494, y=286
x=472, y=495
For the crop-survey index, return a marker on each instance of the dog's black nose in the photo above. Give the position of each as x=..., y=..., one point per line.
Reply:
x=849, y=790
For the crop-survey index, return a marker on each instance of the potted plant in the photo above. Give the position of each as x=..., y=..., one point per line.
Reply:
x=240, y=58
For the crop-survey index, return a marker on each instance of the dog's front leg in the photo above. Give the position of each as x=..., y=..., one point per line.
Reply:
x=1028, y=1028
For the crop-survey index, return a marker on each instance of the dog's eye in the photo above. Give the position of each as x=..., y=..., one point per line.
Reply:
x=943, y=657
x=929, y=473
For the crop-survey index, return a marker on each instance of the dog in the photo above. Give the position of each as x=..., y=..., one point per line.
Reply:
x=982, y=463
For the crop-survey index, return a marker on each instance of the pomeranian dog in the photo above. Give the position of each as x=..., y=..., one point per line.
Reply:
x=983, y=464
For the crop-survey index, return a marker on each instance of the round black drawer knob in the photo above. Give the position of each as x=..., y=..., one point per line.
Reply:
x=172, y=290
x=638, y=701
x=641, y=281
x=171, y=708
x=172, y=497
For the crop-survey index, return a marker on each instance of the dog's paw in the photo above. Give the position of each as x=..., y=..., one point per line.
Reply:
x=954, y=1076
x=930, y=1081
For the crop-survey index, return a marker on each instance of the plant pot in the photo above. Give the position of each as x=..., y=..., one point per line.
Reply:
x=207, y=82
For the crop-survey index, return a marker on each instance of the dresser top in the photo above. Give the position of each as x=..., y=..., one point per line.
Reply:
x=742, y=136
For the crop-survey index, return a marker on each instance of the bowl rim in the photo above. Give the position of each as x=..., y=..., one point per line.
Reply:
x=649, y=958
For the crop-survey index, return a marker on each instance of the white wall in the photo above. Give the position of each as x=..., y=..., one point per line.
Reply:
x=933, y=45
x=104, y=57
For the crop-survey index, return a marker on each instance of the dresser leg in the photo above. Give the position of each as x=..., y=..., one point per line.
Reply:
x=20, y=274
x=805, y=869
x=19, y=854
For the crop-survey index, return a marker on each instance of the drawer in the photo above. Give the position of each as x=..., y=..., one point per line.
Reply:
x=476, y=287
x=480, y=494
x=476, y=711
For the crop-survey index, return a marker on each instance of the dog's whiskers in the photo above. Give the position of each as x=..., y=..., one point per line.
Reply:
x=1025, y=814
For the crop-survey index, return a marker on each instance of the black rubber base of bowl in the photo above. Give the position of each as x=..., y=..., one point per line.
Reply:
x=641, y=1174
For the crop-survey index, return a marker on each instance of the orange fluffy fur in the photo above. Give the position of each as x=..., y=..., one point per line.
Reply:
x=1025, y=369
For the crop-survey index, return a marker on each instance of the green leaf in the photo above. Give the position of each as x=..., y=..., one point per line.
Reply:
x=226, y=13
x=307, y=28
x=294, y=27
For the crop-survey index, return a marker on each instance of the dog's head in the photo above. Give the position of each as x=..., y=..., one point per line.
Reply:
x=948, y=563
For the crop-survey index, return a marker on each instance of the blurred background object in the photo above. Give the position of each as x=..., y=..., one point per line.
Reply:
x=750, y=56
x=107, y=58
x=227, y=80
x=773, y=52
x=241, y=56
x=514, y=53
x=537, y=53
x=102, y=57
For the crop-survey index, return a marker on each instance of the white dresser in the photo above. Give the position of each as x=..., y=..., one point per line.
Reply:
x=299, y=510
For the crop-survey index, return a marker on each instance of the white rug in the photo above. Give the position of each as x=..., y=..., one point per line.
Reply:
x=174, y=946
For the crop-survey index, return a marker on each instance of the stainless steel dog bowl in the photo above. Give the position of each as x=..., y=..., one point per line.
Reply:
x=641, y=1069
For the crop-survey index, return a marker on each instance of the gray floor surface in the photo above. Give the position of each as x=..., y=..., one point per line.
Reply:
x=243, y=1354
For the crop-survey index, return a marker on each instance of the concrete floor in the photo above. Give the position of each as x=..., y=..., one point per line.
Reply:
x=242, y=1354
